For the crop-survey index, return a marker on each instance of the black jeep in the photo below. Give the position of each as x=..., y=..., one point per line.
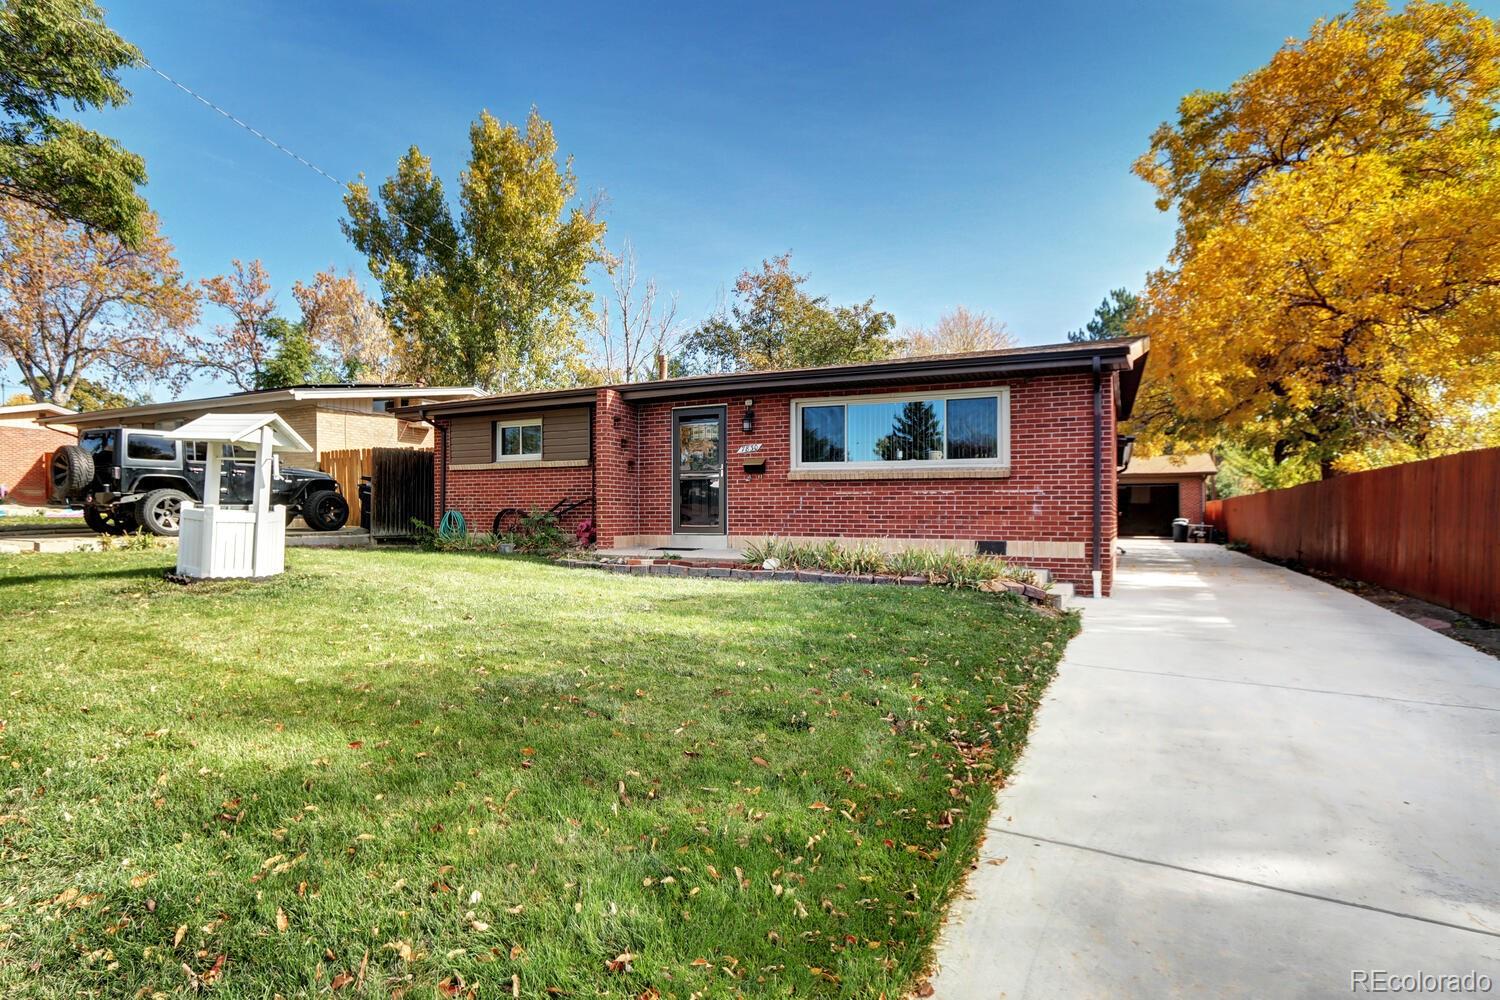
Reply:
x=125, y=478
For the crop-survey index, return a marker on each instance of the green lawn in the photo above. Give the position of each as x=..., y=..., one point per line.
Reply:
x=396, y=771
x=19, y=521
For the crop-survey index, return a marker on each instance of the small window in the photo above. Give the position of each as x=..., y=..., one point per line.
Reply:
x=822, y=434
x=973, y=427
x=518, y=439
x=150, y=448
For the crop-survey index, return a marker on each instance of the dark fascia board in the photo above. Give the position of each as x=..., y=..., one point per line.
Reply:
x=1113, y=355
x=1124, y=356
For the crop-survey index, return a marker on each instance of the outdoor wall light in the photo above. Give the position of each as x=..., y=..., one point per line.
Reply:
x=748, y=424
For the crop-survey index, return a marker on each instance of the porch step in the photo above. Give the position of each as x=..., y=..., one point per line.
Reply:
x=344, y=538
x=1066, y=594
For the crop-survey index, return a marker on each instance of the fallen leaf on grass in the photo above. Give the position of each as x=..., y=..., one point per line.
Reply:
x=620, y=963
x=282, y=923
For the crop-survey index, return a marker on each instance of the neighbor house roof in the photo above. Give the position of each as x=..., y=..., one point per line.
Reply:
x=1171, y=465
x=240, y=428
x=273, y=397
x=38, y=410
x=1126, y=356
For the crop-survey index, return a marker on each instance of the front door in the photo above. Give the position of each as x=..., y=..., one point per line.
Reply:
x=698, y=471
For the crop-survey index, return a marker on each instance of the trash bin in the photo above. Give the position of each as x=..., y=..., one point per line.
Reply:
x=364, y=502
x=1180, y=529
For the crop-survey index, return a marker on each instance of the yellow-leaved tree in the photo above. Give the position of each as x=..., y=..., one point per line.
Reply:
x=1333, y=295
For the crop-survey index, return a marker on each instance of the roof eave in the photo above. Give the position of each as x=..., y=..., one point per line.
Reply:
x=1124, y=356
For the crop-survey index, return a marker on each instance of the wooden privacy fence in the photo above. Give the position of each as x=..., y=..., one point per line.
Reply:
x=400, y=485
x=347, y=466
x=1430, y=529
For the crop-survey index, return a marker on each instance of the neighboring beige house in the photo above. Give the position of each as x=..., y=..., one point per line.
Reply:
x=328, y=417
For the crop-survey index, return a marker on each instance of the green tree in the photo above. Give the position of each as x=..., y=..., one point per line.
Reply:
x=60, y=52
x=87, y=395
x=294, y=358
x=1111, y=317
x=499, y=297
x=774, y=323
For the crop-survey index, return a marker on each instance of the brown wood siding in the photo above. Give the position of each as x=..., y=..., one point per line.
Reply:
x=565, y=436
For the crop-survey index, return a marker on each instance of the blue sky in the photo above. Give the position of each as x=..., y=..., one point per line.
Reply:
x=927, y=155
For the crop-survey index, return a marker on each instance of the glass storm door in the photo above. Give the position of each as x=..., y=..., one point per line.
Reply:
x=698, y=471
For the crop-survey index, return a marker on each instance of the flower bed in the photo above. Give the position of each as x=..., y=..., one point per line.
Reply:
x=742, y=571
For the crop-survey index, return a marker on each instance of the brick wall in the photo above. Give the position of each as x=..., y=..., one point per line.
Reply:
x=617, y=463
x=480, y=494
x=339, y=428
x=1047, y=498
x=1190, y=499
x=23, y=461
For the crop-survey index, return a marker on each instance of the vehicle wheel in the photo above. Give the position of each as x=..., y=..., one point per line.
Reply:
x=325, y=510
x=72, y=471
x=160, y=512
x=108, y=522
x=508, y=521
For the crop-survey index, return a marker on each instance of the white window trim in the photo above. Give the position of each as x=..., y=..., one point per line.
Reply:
x=528, y=456
x=1002, y=431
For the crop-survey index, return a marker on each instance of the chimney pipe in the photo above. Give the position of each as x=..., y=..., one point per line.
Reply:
x=661, y=365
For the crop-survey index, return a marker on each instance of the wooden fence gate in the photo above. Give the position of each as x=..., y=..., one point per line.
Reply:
x=401, y=489
x=348, y=466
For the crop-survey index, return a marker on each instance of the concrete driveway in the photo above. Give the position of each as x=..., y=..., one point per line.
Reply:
x=1243, y=782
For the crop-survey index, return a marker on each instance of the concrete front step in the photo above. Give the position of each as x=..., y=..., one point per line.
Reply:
x=344, y=538
x=1065, y=593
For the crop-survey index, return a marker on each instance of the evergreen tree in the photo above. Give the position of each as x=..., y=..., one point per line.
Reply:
x=916, y=432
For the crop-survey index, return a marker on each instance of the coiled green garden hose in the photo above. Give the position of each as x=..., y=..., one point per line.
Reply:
x=452, y=525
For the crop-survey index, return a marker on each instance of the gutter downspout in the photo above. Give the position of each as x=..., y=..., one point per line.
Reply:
x=447, y=442
x=1098, y=564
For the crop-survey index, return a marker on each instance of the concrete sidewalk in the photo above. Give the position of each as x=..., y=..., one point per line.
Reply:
x=1243, y=782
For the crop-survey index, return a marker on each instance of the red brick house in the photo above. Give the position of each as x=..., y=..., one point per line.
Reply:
x=26, y=446
x=1011, y=452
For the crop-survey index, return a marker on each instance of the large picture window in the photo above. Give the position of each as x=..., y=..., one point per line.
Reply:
x=518, y=439
x=916, y=430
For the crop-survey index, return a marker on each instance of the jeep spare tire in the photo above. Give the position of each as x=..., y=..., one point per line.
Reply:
x=160, y=512
x=72, y=471
x=325, y=510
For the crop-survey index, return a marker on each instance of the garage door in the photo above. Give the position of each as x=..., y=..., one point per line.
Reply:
x=1148, y=510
